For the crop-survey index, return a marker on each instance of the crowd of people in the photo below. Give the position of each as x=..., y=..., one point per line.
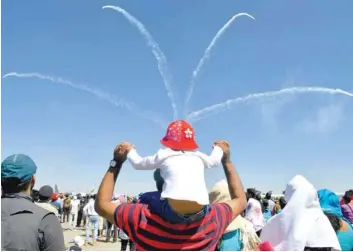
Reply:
x=181, y=214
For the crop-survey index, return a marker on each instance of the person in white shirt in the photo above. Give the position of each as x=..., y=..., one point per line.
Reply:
x=93, y=220
x=253, y=211
x=181, y=167
x=75, y=203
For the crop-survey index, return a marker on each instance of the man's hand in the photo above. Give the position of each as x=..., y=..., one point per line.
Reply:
x=127, y=146
x=119, y=154
x=226, y=150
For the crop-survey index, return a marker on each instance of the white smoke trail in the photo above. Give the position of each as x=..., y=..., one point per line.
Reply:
x=157, y=52
x=227, y=105
x=207, y=54
x=96, y=92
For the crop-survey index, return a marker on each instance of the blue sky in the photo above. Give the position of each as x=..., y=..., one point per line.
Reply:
x=71, y=133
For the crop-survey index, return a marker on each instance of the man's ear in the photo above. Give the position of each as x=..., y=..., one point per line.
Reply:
x=33, y=181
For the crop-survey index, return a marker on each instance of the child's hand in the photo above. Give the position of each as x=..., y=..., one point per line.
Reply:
x=225, y=147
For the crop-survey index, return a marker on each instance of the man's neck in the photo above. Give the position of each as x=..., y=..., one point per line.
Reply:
x=185, y=207
x=23, y=192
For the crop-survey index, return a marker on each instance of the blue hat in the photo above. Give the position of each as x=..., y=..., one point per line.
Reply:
x=18, y=166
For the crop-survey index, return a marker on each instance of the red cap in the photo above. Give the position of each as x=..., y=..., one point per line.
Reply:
x=54, y=196
x=180, y=136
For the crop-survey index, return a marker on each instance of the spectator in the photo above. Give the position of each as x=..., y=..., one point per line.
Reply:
x=35, y=195
x=266, y=210
x=271, y=203
x=253, y=211
x=347, y=206
x=55, y=203
x=182, y=167
x=74, y=206
x=282, y=203
x=111, y=226
x=67, y=208
x=155, y=195
x=92, y=224
x=191, y=231
x=125, y=240
x=60, y=200
x=301, y=225
x=330, y=204
x=24, y=225
x=100, y=226
x=83, y=203
x=240, y=234
x=279, y=206
x=153, y=198
x=45, y=193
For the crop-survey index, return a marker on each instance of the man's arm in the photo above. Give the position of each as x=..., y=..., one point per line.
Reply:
x=111, y=211
x=103, y=205
x=236, y=190
x=52, y=234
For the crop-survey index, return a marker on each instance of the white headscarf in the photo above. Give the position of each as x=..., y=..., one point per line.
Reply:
x=302, y=222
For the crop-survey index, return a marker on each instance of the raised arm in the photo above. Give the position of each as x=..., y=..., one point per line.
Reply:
x=214, y=159
x=236, y=190
x=143, y=163
x=103, y=205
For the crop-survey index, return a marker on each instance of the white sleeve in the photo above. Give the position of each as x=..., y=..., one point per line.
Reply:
x=143, y=163
x=215, y=159
x=85, y=210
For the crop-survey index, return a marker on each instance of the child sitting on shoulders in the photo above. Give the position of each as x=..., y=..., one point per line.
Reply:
x=182, y=169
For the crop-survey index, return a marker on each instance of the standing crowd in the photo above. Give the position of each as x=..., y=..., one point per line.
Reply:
x=181, y=214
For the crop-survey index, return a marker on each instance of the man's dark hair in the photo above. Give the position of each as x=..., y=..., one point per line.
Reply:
x=35, y=195
x=251, y=193
x=159, y=186
x=335, y=221
x=264, y=205
x=93, y=196
x=42, y=198
x=158, y=179
x=268, y=195
x=258, y=195
x=282, y=202
x=348, y=196
x=14, y=185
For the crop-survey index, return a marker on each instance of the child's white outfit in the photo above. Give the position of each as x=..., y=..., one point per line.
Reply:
x=182, y=171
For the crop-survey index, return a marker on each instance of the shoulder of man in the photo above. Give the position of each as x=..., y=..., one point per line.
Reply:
x=128, y=214
x=223, y=212
x=51, y=233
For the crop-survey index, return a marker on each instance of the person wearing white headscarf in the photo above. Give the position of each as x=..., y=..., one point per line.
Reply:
x=301, y=225
x=240, y=234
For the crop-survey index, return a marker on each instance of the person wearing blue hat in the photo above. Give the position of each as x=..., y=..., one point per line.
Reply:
x=39, y=228
x=149, y=197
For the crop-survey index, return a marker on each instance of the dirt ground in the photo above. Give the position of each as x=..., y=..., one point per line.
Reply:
x=101, y=244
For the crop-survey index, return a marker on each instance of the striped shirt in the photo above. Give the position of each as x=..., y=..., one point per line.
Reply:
x=149, y=231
